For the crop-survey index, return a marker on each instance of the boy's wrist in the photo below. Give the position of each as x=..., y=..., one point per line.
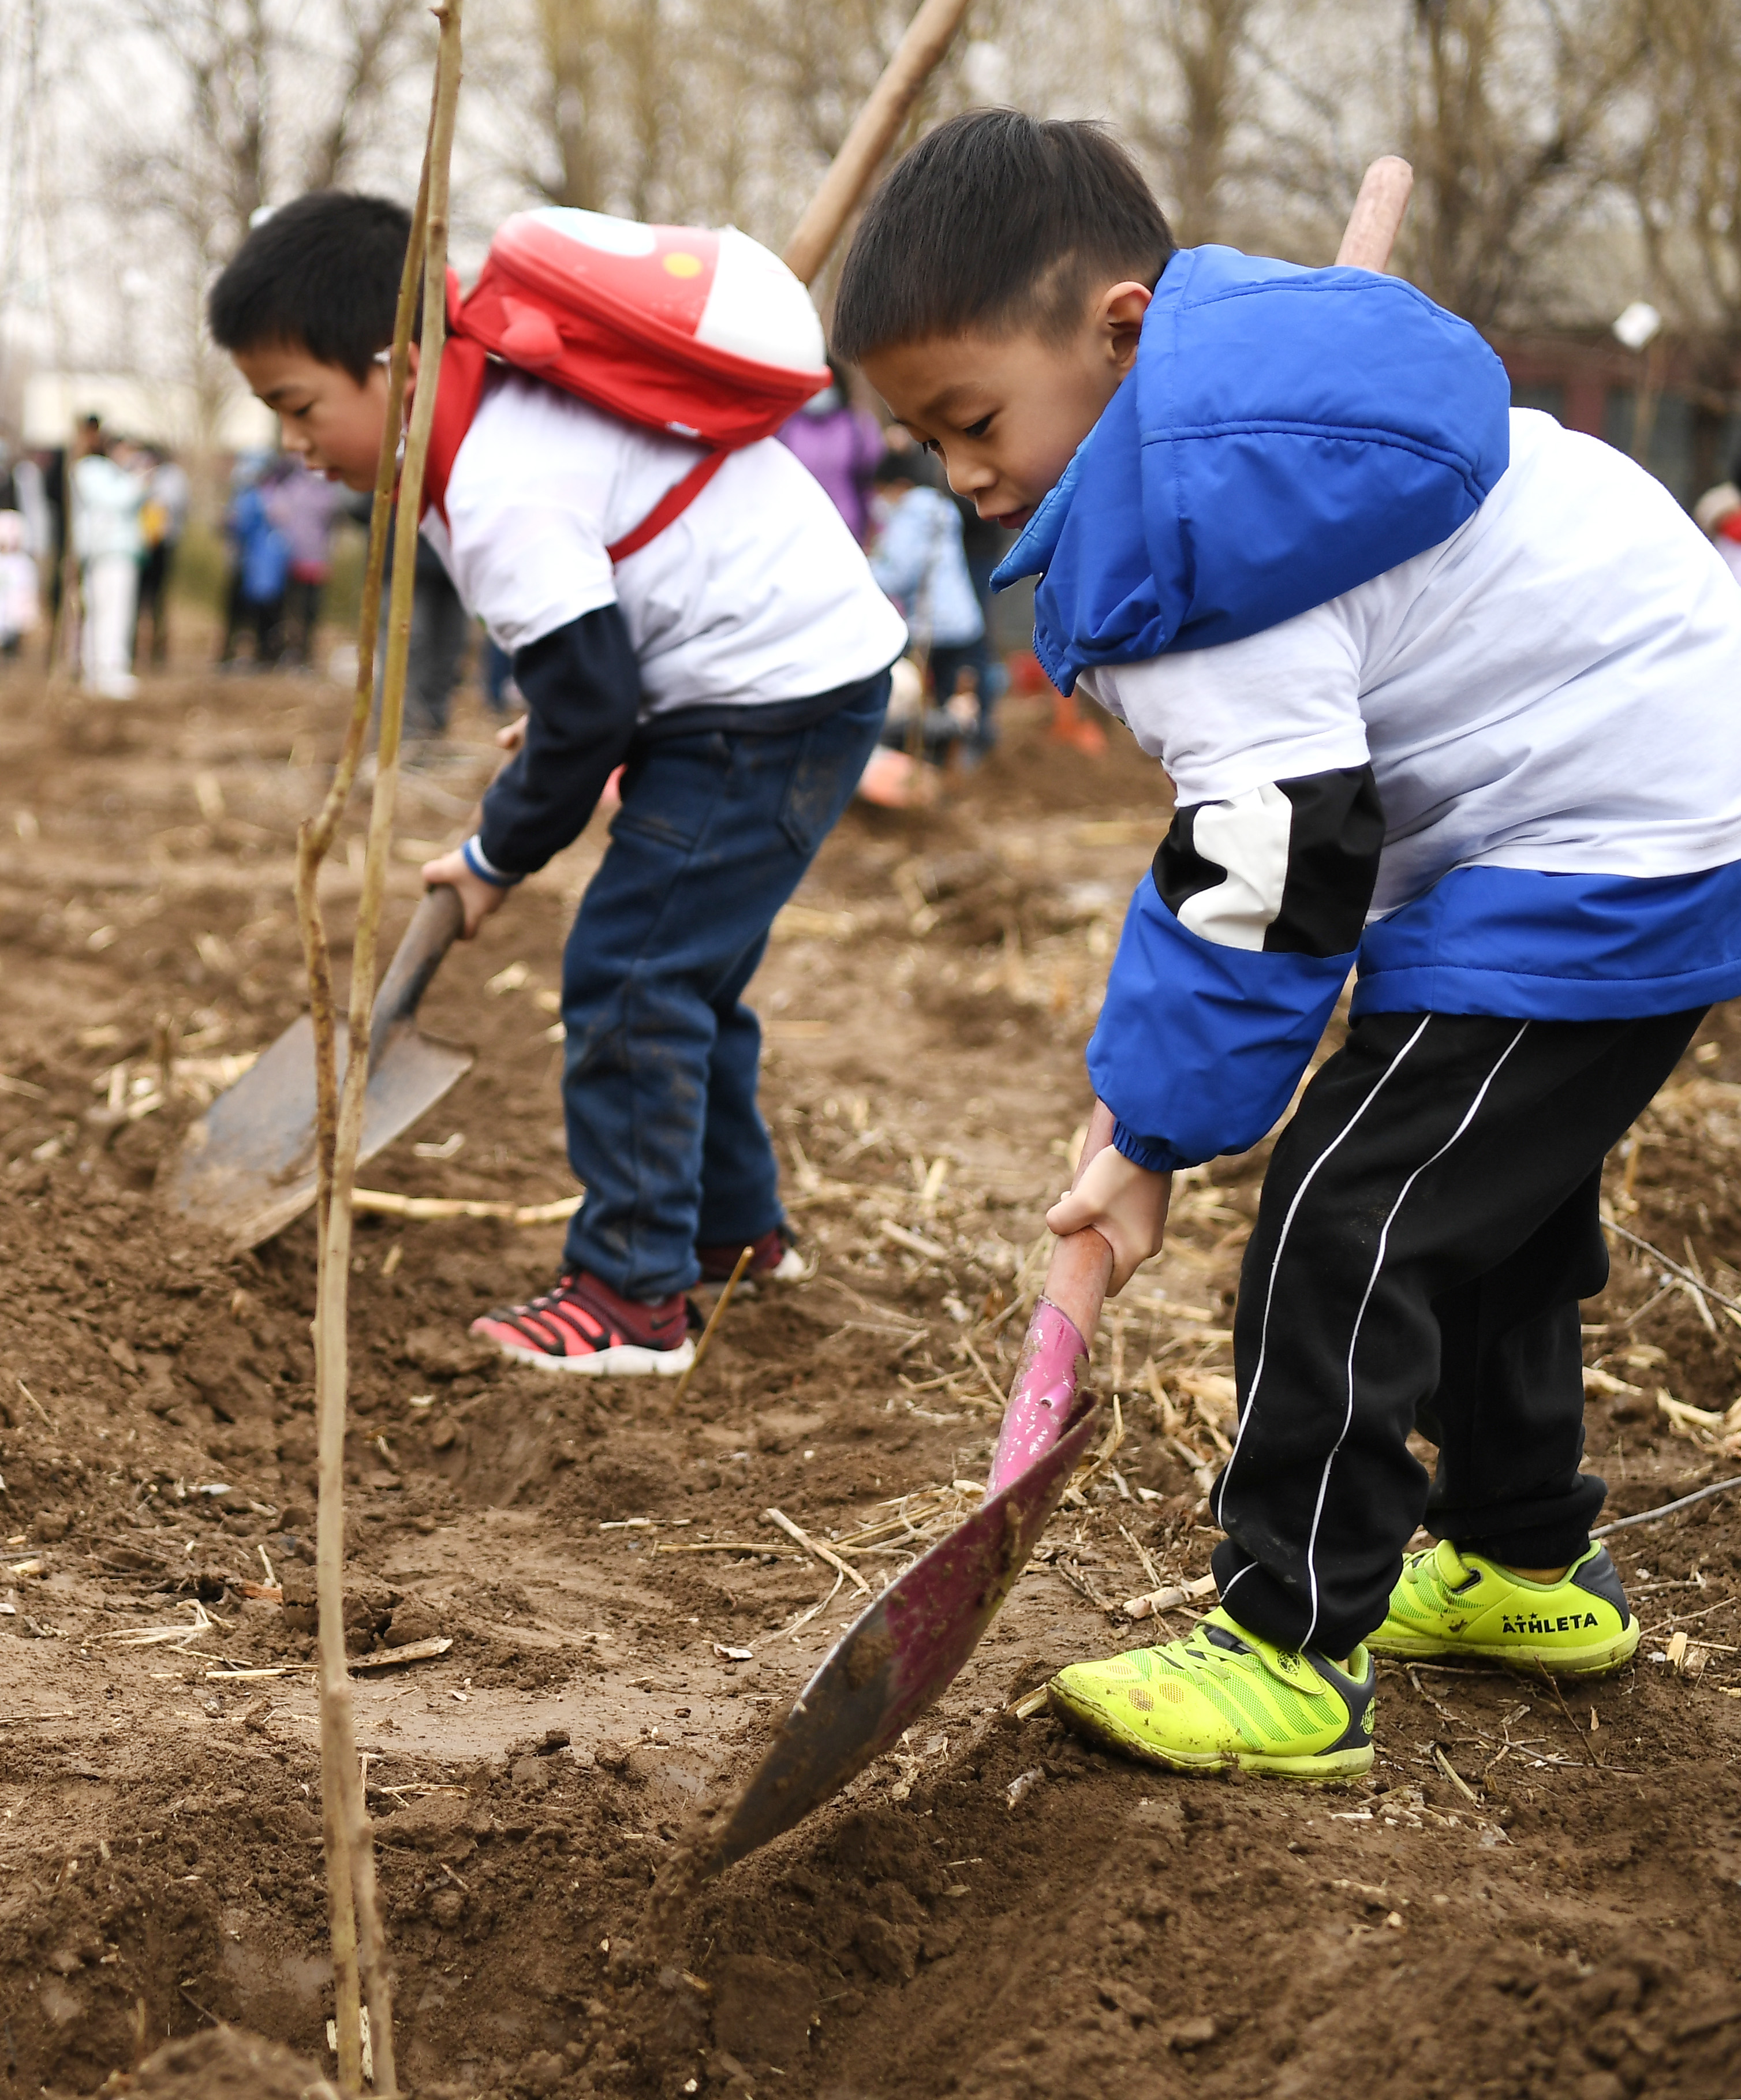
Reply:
x=480, y=865
x=1125, y=1203
x=1154, y=1154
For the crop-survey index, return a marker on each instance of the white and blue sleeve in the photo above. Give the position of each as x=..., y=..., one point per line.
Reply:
x=1238, y=942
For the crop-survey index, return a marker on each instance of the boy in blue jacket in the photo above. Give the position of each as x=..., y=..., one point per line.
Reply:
x=1444, y=692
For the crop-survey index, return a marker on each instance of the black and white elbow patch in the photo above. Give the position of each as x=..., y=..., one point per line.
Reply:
x=1289, y=867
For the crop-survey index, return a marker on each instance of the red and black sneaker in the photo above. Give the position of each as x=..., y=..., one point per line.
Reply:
x=774, y=1259
x=583, y=1325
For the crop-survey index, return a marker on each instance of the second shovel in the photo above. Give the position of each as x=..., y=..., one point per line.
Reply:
x=247, y=1167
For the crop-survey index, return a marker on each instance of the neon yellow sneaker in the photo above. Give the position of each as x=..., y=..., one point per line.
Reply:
x=1224, y=1697
x=1450, y=1603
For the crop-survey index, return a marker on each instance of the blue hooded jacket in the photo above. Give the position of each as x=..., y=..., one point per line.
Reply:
x=1201, y=507
x=1285, y=436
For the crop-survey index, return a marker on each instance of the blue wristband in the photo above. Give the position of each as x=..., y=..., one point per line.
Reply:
x=472, y=853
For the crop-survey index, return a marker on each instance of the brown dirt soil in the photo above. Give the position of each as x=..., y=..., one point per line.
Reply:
x=1530, y=1897
x=221, y=2064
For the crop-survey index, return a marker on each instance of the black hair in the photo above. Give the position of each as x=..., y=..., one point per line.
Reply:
x=321, y=275
x=995, y=222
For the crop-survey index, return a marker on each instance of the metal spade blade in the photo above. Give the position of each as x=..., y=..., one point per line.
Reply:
x=899, y=1655
x=247, y=1167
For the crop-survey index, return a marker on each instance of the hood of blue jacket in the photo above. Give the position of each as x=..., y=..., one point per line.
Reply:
x=1285, y=435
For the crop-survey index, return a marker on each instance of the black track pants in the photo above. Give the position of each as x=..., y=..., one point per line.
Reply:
x=1428, y=1224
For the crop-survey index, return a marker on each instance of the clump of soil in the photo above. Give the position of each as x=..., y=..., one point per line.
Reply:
x=223, y=2064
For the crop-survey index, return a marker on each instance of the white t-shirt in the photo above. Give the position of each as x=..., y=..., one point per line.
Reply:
x=1556, y=687
x=756, y=594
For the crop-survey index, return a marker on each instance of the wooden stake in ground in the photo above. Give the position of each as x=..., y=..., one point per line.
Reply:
x=358, y=1943
x=927, y=39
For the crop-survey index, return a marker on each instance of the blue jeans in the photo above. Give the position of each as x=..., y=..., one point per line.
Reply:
x=715, y=832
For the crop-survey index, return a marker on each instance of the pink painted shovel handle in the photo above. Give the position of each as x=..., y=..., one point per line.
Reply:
x=1053, y=1357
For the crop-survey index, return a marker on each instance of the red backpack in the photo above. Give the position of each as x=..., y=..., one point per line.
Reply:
x=705, y=334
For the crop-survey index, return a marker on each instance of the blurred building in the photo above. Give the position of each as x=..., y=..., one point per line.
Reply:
x=154, y=412
x=1591, y=382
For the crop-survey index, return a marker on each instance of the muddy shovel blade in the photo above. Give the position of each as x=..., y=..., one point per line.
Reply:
x=901, y=1653
x=247, y=1167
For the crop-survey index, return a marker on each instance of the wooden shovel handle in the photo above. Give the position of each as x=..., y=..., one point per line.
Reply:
x=927, y=39
x=1377, y=214
x=435, y=928
x=1082, y=1262
x=1076, y=1280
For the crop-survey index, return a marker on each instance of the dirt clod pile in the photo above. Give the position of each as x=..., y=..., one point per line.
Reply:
x=222, y=2063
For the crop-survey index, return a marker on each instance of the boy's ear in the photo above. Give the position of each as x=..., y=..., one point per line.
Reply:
x=1118, y=321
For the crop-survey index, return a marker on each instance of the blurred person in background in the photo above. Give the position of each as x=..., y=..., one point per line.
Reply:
x=17, y=571
x=1717, y=514
x=245, y=470
x=302, y=507
x=17, y=584
x=41, y=526
x=260, y=562
x=163, y=518
x=43, y=496
x=841, y=446
x=983, y=542
x=38, y=526
x=495, y=678
x=106, y=497
x=919, y=559
x=440, y=630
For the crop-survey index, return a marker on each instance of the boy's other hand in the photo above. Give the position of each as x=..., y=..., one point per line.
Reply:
x=479, y=898
x=1125, y=1203
x=512, y=735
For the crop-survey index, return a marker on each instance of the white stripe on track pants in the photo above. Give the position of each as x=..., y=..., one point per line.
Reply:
x=1428, y=1224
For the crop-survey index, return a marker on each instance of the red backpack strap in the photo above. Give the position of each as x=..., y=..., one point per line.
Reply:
x=463, y=364
x=670, y=506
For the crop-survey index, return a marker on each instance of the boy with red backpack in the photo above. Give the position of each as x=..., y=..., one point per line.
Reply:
x=694, y=610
